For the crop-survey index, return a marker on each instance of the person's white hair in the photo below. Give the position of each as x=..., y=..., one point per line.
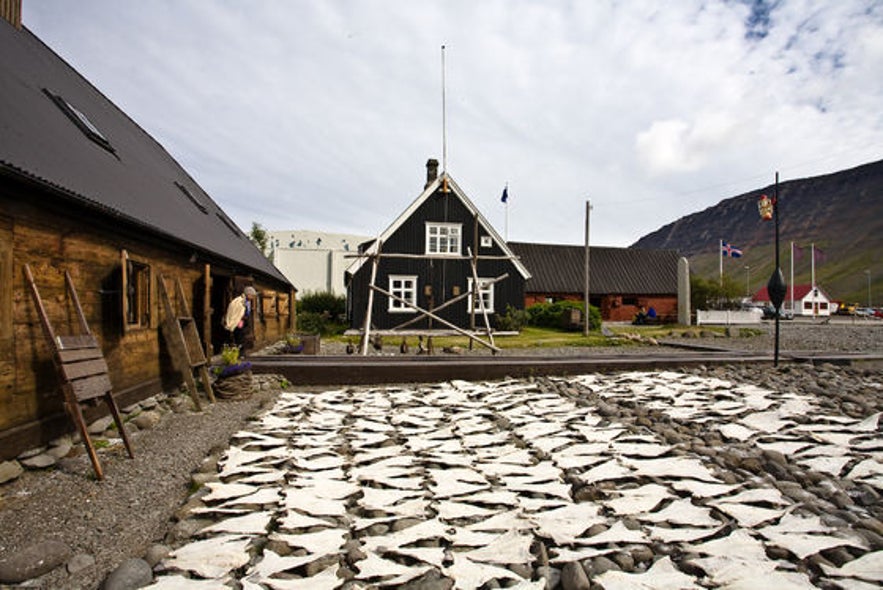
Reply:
x=249, y=291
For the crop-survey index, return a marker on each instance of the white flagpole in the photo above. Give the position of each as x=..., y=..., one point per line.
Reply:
x=792, y=278
x=812, y=281
x=507, y=213
x=444, y=115
x=720, y=260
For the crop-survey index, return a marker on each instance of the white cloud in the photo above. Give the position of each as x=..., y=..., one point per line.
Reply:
x=321, y=114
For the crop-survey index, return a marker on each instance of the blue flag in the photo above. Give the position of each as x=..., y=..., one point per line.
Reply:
x=505, y=197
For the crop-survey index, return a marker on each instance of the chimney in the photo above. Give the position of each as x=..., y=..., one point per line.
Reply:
x=10, y=10
x=431, y=170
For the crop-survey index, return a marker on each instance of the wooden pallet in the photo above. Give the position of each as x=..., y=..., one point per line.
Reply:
x=81, y=368
x=182, y=338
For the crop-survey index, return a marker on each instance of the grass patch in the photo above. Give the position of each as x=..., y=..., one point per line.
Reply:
x=529, y=337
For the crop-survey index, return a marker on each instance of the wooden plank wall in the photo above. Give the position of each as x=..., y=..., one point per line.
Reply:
x=52, y=241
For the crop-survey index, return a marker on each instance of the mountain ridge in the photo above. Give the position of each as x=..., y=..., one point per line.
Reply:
x=841, y=213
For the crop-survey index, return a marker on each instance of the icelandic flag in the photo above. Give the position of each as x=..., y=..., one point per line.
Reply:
x=730, y=250
x=505, y=197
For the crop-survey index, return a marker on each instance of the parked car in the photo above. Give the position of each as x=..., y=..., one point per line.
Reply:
x=878, y=313
x=769, y=313
x=864, y=312
x=847, y=308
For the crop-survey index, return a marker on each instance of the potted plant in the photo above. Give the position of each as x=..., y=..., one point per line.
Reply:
x=233, y=378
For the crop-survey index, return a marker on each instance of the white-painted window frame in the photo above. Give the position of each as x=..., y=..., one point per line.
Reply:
x=486, y=291
x=444, y=239
x=404, y=286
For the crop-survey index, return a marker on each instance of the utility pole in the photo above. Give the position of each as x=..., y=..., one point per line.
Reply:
x=586, y=294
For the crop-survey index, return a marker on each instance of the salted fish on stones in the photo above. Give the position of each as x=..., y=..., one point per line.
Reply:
x=868, y=567
x=509, y=548
x=663, y=575
x=469, y=575
x=211, y=558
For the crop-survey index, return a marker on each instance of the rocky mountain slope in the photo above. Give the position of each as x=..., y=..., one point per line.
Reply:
x=841, y=213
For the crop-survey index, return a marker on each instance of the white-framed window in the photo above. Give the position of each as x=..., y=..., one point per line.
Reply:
x=486, y=292
x=406, y=288
x=443, y=238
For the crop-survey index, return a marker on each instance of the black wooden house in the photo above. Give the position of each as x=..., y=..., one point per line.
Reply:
x=430, y=255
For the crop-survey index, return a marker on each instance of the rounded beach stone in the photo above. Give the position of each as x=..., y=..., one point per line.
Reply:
x=10, y=470
x=148, y=419
x=156, y=553
x=132, y=573
x=80, y=562
x=33, y=561
x=573, y=577
x=41, y=461
x=100, y=425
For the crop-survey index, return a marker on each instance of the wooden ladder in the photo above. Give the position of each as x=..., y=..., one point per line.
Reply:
x=185, y=346
x=81, y=368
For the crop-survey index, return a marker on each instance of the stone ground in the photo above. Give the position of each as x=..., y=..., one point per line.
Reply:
x=702, y=477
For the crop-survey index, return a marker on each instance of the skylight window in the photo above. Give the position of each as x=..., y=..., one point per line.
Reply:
x=80, y=119
x=192, y=198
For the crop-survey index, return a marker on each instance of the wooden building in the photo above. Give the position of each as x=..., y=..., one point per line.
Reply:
x=85, y=190
x=621, y=280
x=807, y=301
x=426, y=257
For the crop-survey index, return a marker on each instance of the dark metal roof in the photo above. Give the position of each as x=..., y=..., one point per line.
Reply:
x=561, y=268
x=134, y=180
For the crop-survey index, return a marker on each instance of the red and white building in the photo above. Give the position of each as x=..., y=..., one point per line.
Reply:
x=808, y=301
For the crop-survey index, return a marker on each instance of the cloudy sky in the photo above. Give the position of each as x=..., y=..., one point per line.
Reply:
x=321, y=114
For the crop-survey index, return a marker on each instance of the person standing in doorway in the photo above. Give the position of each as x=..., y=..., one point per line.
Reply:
x=239, y=320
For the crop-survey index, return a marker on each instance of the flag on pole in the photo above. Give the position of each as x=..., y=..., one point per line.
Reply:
x=505, y=197
x=730, y=250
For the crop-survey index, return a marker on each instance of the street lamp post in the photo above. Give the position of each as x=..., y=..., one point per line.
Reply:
x=747, y=280
x=868, y=272
x=776, y=287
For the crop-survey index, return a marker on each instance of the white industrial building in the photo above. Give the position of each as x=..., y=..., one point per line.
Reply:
x=314, y=261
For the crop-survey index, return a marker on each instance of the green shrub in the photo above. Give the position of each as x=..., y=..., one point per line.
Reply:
x=322, y=302
x=321, y=313
x=310, y=322
x=513, y=320
x=550, y=315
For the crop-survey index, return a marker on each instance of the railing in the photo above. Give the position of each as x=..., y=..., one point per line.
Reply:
x=726, y=317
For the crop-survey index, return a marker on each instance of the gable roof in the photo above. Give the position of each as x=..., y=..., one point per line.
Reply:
x=561, y=268
x=131, y=179
x=800, y=291
x=412, y=208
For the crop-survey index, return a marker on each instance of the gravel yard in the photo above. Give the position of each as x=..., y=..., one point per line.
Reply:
x=141, y=511
x=837, y=335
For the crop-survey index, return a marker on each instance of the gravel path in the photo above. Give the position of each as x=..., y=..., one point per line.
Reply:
x=102, y=524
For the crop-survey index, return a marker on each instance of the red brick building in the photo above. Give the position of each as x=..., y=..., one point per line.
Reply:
x=621, y=280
